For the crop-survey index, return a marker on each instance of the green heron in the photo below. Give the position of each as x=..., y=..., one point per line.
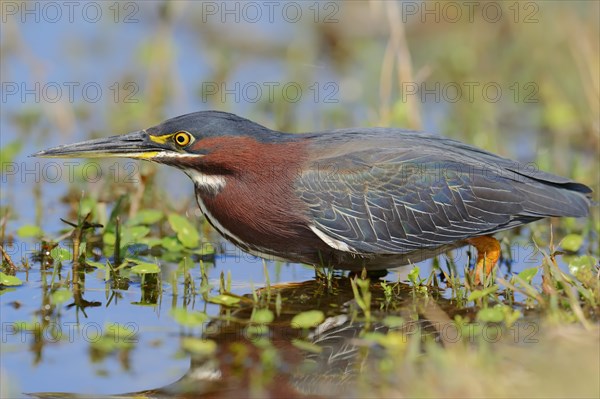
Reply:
x=372, y=198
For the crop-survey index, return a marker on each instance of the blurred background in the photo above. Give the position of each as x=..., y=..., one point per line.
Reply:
x=520, y=79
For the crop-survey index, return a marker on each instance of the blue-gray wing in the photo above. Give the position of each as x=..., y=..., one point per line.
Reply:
x=398, y=200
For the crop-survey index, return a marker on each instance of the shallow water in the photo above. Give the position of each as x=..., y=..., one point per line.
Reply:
x=60, y=357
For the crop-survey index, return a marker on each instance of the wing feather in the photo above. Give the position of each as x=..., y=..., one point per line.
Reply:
x=404, y=198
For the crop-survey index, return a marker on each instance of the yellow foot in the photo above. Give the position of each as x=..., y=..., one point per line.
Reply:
x=488, y=253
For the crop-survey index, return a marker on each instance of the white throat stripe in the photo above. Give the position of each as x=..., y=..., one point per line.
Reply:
x=213, y=183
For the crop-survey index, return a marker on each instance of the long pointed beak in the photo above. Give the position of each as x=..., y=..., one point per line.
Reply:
x=132, y=145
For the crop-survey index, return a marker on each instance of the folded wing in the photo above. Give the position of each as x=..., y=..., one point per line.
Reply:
x=426, y=193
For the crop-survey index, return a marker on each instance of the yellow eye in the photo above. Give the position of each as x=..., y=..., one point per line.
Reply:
x=182, y=138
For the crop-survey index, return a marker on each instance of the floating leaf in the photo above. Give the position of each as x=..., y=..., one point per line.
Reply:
x=308, y=319
x=490, y=315
x=29, y=231
x=201, y=347
x=186, y=232
x=171, y=244
x=262, y=316
x=61, y=296
x=9, y=281
x=98, y=265
x=151, y=241
x=206, y=249
x=132, y=235
x=188, y=319
x=224, y=299
x=146, y=216
x=572, y=242
x=59, y=254
x=145, y=268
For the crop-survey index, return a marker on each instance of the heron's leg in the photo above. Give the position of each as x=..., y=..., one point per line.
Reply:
x=488, y=253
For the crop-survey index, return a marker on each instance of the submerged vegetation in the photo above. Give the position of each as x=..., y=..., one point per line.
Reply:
x=113, y=265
